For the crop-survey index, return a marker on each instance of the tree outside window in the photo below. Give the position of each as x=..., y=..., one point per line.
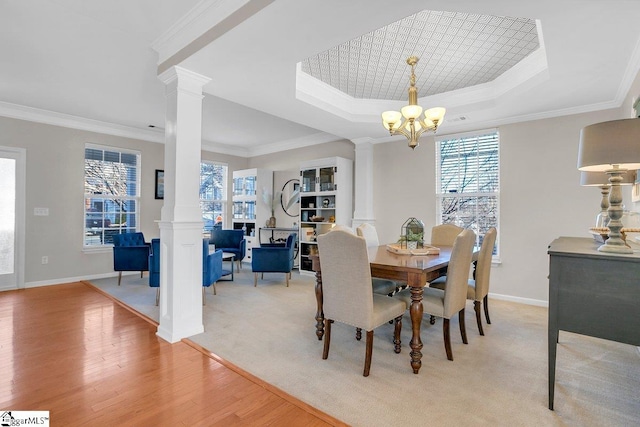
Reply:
x=111, y=193
x=213, y=194
x=468, y=181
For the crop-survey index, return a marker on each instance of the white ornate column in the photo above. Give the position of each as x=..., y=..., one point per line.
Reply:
x=363, y=188
x=181, y=217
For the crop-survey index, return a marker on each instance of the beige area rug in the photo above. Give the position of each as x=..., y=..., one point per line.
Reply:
x=499, y=379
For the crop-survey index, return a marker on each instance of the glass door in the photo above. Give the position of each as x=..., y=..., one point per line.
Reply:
x=11, y=218
x=326, y=179
x=308, y=181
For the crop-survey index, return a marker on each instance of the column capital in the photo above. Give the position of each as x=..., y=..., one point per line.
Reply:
x=184, y=78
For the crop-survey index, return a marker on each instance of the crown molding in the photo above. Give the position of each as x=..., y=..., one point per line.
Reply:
x=22, y=112
x=290, y=144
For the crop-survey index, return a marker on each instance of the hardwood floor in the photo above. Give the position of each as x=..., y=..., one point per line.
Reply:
x=88, y=360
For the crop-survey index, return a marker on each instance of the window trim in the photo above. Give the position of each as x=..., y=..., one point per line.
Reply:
x=137, y=198
x=225, y=190
x=438, y=182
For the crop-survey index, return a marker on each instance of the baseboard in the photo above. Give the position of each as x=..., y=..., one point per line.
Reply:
x=77, y=279
x=527, y=301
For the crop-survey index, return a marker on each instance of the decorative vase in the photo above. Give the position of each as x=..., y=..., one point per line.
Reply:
x=272, y=222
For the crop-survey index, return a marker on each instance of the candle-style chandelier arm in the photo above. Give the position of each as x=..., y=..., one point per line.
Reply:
x=410, y=121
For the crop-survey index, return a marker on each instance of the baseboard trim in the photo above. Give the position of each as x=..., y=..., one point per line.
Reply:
x=527, y=301
x=77, y=279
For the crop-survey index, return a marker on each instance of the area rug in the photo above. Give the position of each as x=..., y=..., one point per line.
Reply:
x=499, y=379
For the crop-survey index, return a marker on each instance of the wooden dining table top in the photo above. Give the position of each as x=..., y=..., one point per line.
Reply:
x=391, y=265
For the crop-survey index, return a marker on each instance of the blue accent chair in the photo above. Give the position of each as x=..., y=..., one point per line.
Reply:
x=274, y=259
x=154, y=267
x=211, y=268
x=230, y=241
x=130, y=253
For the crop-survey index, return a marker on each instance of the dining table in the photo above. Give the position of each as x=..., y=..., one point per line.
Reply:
x=416, y=270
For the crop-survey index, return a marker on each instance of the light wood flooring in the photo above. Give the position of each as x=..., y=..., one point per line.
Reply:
x=73, y=351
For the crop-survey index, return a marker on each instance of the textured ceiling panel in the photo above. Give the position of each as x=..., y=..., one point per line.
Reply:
x=456, y=50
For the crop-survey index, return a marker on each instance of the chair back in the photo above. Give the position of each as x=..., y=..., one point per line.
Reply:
x=340, y=227
x=129, y=239
x=369, y=233
x=346, y=279
x=444, y=234
x=211, y=264
x=455, y=292
x=483, y=269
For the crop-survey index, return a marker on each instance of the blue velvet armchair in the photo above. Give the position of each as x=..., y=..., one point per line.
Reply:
x=211, y=268
x=130, y=253
x=274, y=259
x=231, y=241
x=154, y=267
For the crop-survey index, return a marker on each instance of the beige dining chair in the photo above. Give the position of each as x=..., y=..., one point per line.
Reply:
x=380, y=286
x=347, y=293
x=478, y=287
x=446, y=303
x=444, y=234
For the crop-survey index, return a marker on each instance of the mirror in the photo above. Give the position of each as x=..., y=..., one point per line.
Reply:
x=290, y=197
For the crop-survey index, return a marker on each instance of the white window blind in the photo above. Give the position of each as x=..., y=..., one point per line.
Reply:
x=468, y=181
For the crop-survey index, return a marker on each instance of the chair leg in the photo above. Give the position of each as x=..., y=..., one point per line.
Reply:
x=486, y=309
x=119, y=277
x=262, y=276
x=367, y=357
x=286, y=278
x=238, y=267
x=476, y=308
x=204, y=297
x=447, y=338
x=214, y=288
x=432, y=320
x=396, y=334
x=141, y=274
x=358, y=334
x=463, y=326
x=327, y=338
x=255, y=279
x=157, y=296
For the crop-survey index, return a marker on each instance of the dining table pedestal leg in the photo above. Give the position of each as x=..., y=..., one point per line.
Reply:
x=416, y=311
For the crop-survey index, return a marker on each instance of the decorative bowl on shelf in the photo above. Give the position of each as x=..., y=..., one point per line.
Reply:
x=317, y=218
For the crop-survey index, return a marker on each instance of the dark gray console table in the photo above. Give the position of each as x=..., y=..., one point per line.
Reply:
x=591, y=293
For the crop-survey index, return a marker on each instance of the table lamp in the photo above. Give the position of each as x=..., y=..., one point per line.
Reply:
x=612, y=147
x=601, y=179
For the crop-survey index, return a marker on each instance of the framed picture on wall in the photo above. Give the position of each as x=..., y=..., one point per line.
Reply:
x=159, y=184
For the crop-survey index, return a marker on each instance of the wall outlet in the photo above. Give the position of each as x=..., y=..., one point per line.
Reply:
x=45, y=260
x=41, y=211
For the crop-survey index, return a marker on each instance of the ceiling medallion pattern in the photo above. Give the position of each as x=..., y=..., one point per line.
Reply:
x=456, y=50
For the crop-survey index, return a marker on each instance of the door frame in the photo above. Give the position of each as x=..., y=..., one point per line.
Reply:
x=20, y=155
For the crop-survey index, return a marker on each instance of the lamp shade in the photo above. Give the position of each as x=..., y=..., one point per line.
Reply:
x=601, y=178
x=608, y=144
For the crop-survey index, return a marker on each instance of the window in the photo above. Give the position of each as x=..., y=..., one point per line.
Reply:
x=468, y=181
x=213, y=193
x=111, y=193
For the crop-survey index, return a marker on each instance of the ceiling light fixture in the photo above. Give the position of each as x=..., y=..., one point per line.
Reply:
x=414, y=124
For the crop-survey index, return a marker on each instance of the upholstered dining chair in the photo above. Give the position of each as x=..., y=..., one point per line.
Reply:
x=446, y=303
x=130, y=253
x=380, y=286
x=347, y=292
x=478, y=287
x=444, y=234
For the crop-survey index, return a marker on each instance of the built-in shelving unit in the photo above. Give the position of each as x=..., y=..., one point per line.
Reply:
x=325, y=200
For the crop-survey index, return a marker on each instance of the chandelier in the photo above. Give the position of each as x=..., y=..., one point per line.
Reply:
x=414, y=123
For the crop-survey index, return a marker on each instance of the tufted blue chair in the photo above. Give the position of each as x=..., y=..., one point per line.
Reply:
x=130, y=253
x=154, y=267
x=230, y=241
x=274, y=259
x=211, y=268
